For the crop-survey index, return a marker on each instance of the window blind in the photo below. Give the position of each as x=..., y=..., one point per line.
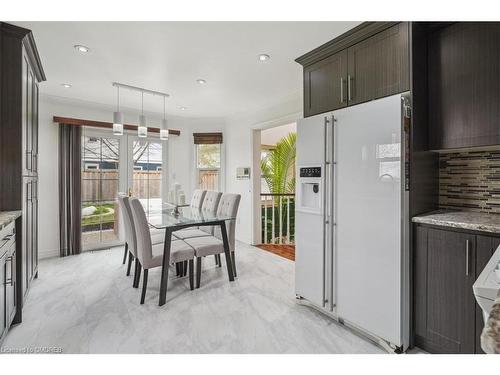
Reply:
x=207, y=138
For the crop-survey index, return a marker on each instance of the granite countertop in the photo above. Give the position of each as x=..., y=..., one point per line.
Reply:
x=478, y=221
x=7, y=217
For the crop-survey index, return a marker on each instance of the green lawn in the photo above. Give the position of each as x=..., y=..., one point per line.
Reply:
x=99, y=215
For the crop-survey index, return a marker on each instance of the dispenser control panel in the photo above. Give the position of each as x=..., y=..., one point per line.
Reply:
x=310, y=172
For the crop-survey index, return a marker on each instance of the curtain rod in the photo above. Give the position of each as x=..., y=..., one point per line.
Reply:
x=103, y=124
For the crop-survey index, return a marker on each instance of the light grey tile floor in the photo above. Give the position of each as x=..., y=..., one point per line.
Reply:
x=86, y=304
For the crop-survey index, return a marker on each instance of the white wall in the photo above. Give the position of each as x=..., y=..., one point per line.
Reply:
x=239, y=145
x=273, y=135
x=180, y=160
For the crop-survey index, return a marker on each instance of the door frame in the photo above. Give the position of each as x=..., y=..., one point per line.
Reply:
x=125, y=165
x=255, y=139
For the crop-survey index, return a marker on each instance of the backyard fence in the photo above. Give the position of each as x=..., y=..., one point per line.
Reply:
x=98, y=185
x=208, y=180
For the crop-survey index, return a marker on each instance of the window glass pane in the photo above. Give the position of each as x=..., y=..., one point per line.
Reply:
x=147, y=173
x=208, y=179
x=208, y=156
x=100, y=178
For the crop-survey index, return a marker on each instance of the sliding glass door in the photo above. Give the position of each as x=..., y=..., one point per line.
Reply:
x=100, y=185
x=147, y=178
x=112, y=165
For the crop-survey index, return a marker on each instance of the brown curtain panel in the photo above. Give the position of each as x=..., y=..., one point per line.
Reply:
x=207, y=138
x=70, y=201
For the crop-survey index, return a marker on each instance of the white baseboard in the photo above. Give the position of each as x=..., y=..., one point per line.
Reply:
x=48, y=254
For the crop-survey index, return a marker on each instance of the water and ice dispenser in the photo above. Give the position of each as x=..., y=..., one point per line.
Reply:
x=310, y=189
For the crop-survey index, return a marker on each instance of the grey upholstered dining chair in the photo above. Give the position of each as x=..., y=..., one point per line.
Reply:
x=151, y=255
x=213, y=245
x=208, y=207
x=130, y=237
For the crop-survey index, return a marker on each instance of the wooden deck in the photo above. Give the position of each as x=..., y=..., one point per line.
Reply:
x=285, y=251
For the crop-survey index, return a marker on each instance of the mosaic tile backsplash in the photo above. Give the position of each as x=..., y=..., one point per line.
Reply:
x=470, y=181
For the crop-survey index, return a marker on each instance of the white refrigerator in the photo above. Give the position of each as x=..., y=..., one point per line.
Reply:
x=352, y=252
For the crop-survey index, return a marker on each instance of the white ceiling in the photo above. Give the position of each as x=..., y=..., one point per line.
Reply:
x=170, y=56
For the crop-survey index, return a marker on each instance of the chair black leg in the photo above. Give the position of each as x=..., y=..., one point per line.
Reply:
x=144, y=286
x=176, y=269
x=216, y=260
x=137, y=273
x=191, y=276
x=125, y=253
x=130, y=260
x=198, y=272
x=219, y=260
x=181, y=269
x=233, y=259
x=185, y=268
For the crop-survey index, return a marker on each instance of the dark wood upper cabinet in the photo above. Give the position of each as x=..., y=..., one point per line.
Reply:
x=379, y=66
x=464, y=85
x=368, y=62
x=325, y=86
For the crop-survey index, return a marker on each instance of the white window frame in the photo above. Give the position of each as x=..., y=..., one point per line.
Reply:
x=221, y=179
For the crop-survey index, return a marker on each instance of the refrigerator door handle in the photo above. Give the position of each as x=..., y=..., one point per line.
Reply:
x=325, y=218
x=332, y=218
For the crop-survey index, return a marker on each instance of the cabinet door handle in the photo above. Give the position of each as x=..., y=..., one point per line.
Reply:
x=341, y=90
x=349, y=91
x=9, y=281
x=467, y=255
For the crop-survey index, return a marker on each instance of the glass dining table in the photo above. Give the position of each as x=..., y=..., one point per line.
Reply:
x=172, y=218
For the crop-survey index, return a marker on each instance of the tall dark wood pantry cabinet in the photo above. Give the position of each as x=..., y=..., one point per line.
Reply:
x=20, y=73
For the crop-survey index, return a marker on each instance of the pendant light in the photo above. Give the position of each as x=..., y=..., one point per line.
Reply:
x=118, y=116
x=164, y=128
x=142, y=130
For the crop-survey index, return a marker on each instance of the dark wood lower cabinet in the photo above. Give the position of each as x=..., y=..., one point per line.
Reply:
x=8, y=280
x=447, y=262
x=3, y=300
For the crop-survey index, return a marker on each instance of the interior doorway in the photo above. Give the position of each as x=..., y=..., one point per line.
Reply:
x=276, y=203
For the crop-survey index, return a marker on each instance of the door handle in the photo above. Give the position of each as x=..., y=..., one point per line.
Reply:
x=349, y=91
x=9, y=281
x=341, y=90
x=325, y=216
x=467, y=255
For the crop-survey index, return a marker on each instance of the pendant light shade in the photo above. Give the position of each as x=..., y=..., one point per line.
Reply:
x=164, y=130
x=164, y=127
x=117, y=123
x=118, y=116
x=142, y=129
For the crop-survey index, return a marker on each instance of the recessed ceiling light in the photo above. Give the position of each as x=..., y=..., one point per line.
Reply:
x=201, y=81
x=183, y=108
x=81, y=48
x=264, y=57
x=66, y=85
